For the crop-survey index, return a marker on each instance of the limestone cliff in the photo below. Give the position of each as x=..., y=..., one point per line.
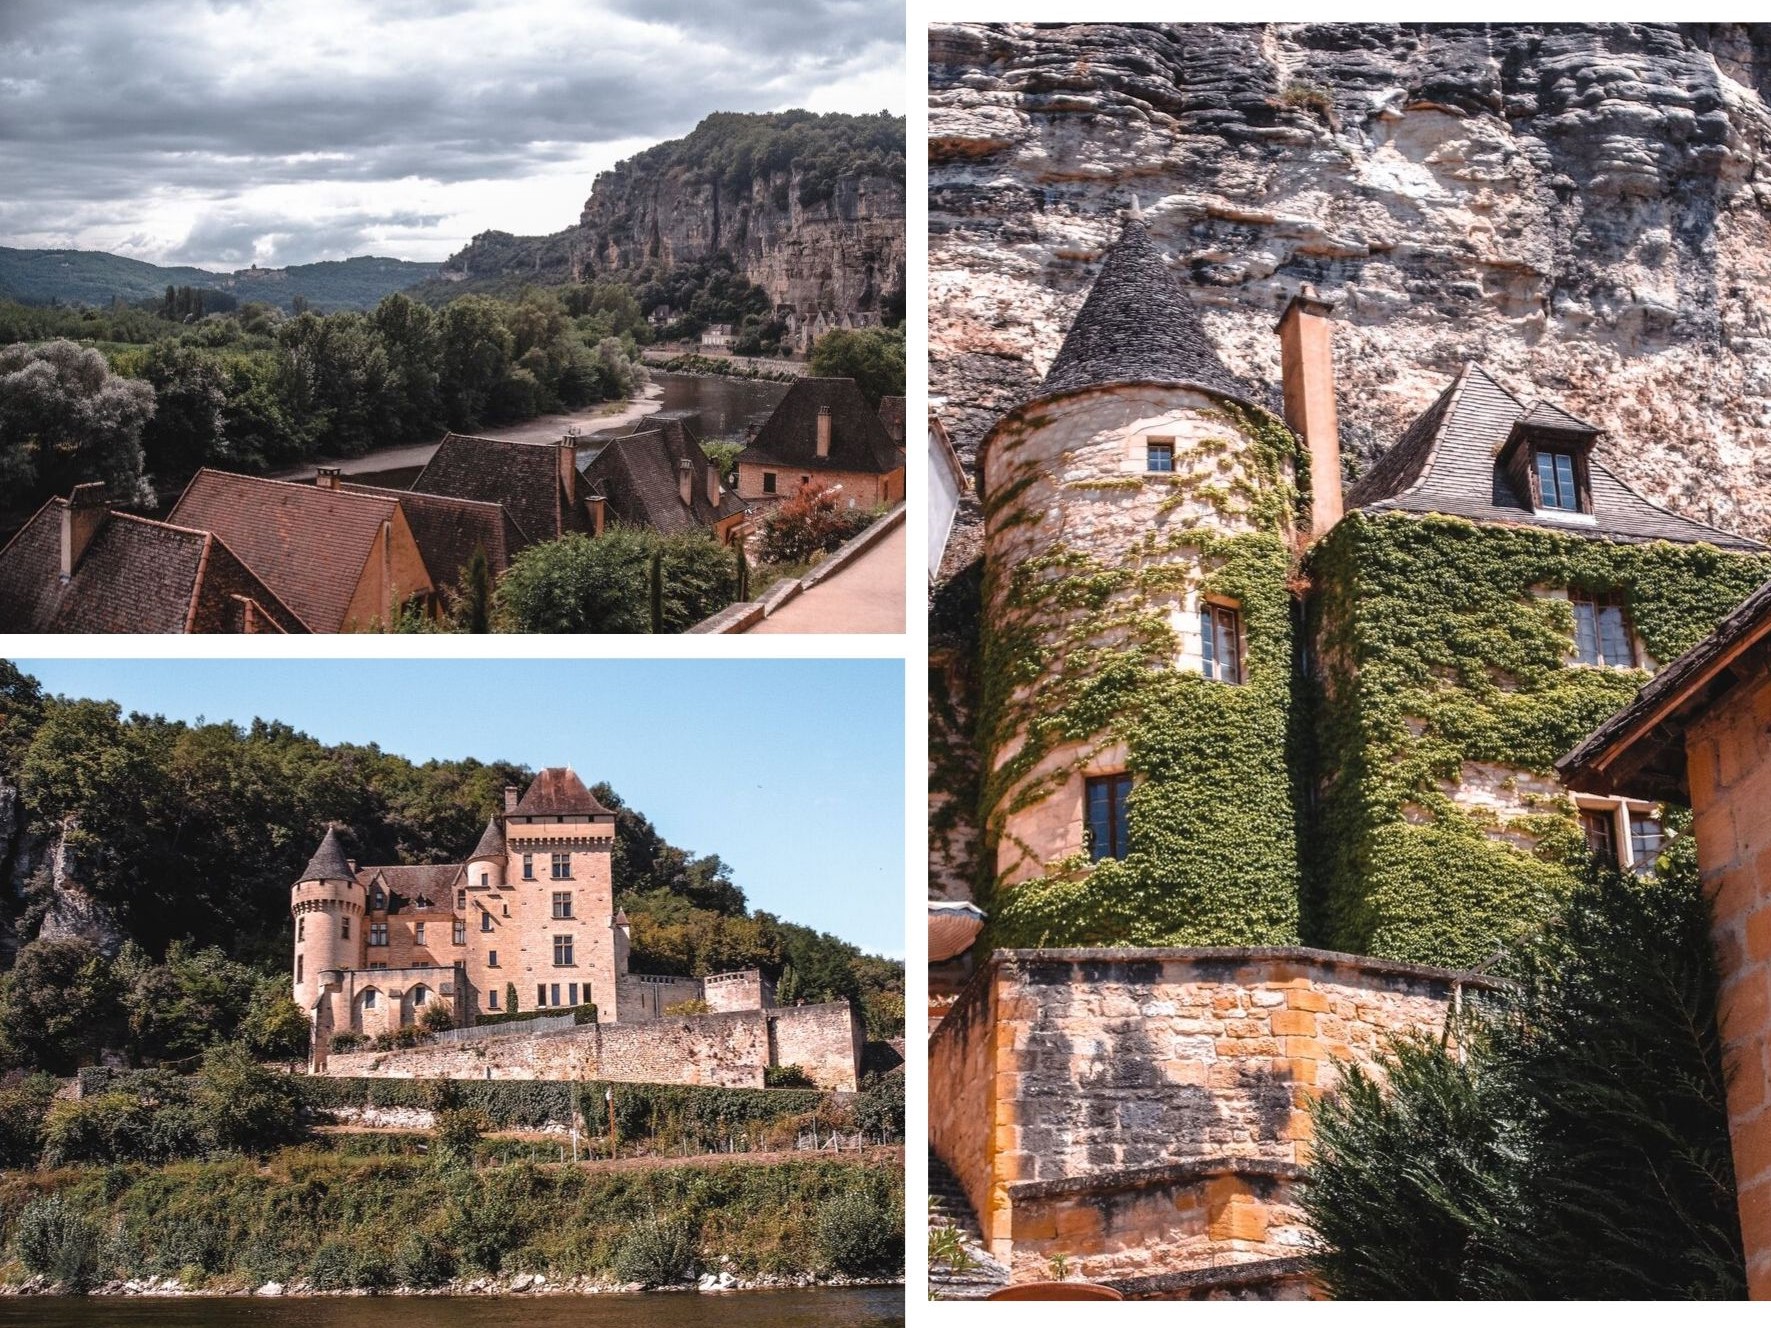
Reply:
x=813, y=216
x=1581, y=207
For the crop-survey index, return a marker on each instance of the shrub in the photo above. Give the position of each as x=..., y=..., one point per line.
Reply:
x=692, y=1006
x=436, y=1018
x=347, y=1042
x=456, y=1136
x=579, y=584
x=239, y=1106
x=857, y=1234
x=811, y=522
x=656, y=1251
x=423, y=1261
x=56, y=1242
x=786, y=1076
x=880, y=1107
x=23, y=1108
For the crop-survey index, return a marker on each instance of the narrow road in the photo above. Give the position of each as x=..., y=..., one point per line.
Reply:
x=866, y=596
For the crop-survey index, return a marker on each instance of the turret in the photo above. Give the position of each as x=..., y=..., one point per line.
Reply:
x=485, y=865
x=328, y=905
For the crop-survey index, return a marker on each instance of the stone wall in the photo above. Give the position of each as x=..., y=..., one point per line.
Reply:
x=1729, y=756
x=720, y=1050
x=747, y=989
x=1067, y=1086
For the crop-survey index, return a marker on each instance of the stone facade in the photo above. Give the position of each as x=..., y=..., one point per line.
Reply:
x=729, y=1050
x=762, y=483
x=1145, y=1112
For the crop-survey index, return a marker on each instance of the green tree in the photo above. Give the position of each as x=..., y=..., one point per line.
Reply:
x=578, y=584
x=873, y=357
x=66, y=419
x=58, y=1005
x=275, y=1029
x=472, y=609
x=476, y=357
x=240, y=1107
x=190, y=392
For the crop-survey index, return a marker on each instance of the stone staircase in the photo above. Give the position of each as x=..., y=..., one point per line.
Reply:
x=949, y=1207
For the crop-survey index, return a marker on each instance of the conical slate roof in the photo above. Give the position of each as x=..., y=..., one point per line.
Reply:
x=491, y=843
x=1137, y=326
x=328, y=862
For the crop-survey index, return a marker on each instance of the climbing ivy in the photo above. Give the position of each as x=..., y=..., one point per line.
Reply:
x=1077, y=656
x=1438, y=648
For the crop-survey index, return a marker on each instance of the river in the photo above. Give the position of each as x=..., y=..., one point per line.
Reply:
x=832, y=1307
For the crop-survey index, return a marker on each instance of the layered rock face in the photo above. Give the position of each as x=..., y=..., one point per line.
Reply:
x=1579, y=207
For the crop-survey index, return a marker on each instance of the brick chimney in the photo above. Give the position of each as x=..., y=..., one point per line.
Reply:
x=82, y=513
x=713, y=483
x=327, y=477
x=1306, y=352
x=511, y=794
x=596, y=504
x=567, y=451
x=685, y=481
x=823, y=431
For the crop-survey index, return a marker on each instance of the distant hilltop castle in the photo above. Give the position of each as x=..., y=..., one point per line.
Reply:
x=528, y=923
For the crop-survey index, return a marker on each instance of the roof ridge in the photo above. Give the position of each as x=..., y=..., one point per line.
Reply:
x=266, y=479
x=1456, y=391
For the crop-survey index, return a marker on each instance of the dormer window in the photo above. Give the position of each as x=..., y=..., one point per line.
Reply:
x=1557, y=487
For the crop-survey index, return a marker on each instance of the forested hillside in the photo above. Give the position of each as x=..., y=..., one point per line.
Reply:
x=146, y=867
x=91, y=277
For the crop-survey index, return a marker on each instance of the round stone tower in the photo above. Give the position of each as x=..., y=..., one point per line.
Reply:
x=1137, y=636
x=485, y=866
x=328, y=905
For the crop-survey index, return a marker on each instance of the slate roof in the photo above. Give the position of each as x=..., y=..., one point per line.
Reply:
x=523, y=477
x=308, y=544
x=892, y=415
x=406, y=885
x=1137, y=326
x=859, y=442
x=135, y=575
x=329, y=862
x=491, y=843
x=637, y=474
x=557, y=791
x=1446, y=463
x=448, y=530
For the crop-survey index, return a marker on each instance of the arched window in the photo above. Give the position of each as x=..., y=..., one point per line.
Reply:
x=419, y=996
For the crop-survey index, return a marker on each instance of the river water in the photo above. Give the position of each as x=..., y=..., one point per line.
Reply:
x=832, y=1307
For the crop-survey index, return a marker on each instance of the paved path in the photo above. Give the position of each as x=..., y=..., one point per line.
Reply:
x=866, y=596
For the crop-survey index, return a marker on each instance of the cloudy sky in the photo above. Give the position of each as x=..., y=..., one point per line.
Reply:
x=220, y=133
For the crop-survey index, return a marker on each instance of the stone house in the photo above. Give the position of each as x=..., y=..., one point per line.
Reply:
x=1699, y=734
x=538, y=485
x=823, y=431
x=659, y=478
x=1207, y=698
x=79, y=566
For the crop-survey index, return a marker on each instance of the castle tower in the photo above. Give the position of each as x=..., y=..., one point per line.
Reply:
x=327, y=903
x=1137, y=637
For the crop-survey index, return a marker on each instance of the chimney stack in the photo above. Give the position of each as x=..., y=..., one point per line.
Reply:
x=713, y=483
x=567, y=450
x=510, y=797
x=823, y=431
x=82, y=513
x=1306, y=352
x=685, y=481
x=596, y=502
x=327, y=477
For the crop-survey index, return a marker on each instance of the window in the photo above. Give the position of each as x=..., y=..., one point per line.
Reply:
x=562, y=866
x=571, y=993
x=461, y=899
x=378, y=900
x=1159, y=455
x=1601, y=630
x=528, y=866
x=485, y=880
x=344, y=929
x=298, y=968
x=562, y=903
x=1109, y=833
x=300, y=928
x=1220, y=642
x=460, y=932
x=378, y=933
x=562, y=951
x=381, y=965
x=418, y=933
x=1646, y=840
x=1600, y=828
x=768, y=481
x=369, y=999
x=1556, y=485
x=491, y=959
x=485, y=921
x=540, y=995
x=420, y=995
x=554, y=992
x=492, y=999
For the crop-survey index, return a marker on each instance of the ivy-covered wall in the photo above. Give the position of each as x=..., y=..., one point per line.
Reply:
x=1436, y=648
x=1078, y=647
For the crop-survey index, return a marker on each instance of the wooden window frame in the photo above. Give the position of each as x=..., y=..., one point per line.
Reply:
x=1580, y=474
x=559, y=866
x=1153, y=447
x=1600, y=600
x=562, y=905
x=1218, y=622
x=378, y=934
x=1118, y=788
x=565, y=945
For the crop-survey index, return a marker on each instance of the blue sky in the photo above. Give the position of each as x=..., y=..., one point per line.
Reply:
x=791, y=770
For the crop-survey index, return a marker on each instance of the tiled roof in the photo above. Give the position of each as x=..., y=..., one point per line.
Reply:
x=329, y=862
x=408, y=884
x=891, y=414
x=556, y=791
x=859, y=442
x=523, y=477
x=135, y=575
x=637, y=474
x=1445, y=464
x=491, y=843
x=448, y=530
x=1137, y=326
x=307, y=543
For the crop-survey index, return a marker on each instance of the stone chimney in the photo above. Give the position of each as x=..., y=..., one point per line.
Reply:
x=82, y=513
x=685, y=481
x=511, y=794
x=567, y=450
x=596, y=504
x=1306, y=352
x=823, y=431
x=713, y=483
x=327, y=477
